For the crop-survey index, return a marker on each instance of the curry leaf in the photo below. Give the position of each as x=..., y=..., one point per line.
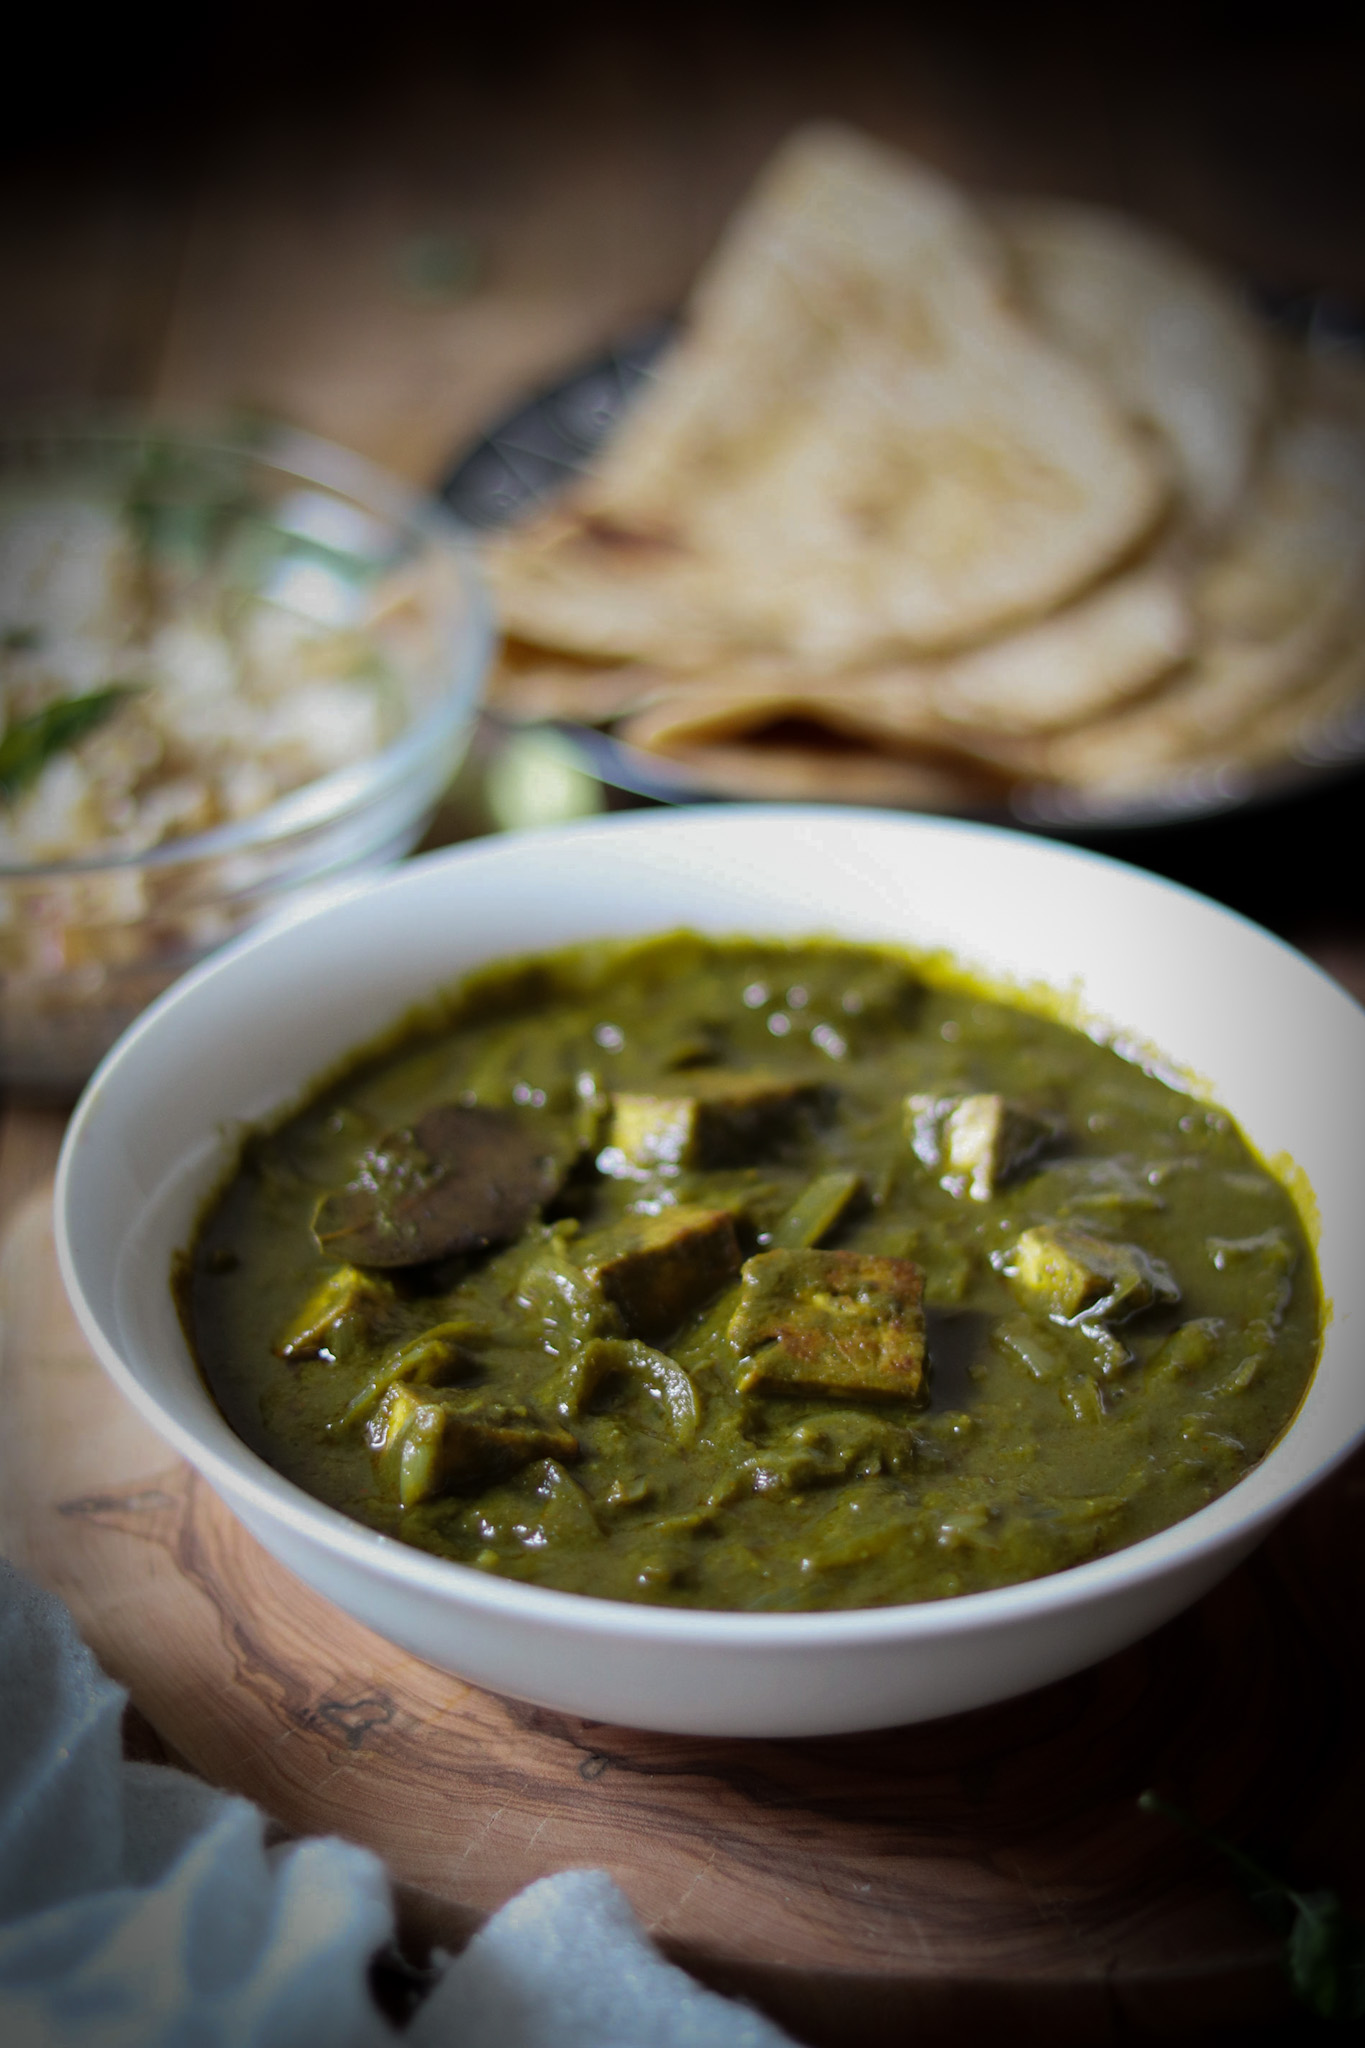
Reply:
x=1324, y=1946
x=30, y=743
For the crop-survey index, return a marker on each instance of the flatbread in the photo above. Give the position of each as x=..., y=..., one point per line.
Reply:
x=1276, y=607
x=1317, y=727
x=932, y=499
x=1165, y=332
x=531, y=683
x=783, y=770
x=1113, y=644
x=1251, y=652
x=747, y=699
x=889, y=712
x=583, y=587
x=839, y=235
x=1106, y=648
x=858, y=449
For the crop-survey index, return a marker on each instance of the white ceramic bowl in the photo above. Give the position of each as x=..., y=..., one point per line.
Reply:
x=1272, y=1039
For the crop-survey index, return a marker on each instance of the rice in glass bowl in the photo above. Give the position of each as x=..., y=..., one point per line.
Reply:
x=233, y=669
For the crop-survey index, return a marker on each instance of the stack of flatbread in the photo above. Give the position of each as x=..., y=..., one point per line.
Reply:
x=934, y=500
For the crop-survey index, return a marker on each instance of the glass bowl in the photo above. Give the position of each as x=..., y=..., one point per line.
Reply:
x=298, y=538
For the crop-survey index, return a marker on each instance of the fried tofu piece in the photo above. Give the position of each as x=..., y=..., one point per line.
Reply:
x=979, y=1141
x=719, y=1118
x=831, y=1322
x=425, y=1447
x=345, y=1292
x=657, y=1269
x=1070, y=1274
x=650, y=1130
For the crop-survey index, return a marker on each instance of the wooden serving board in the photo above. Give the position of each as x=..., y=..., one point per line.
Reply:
x=932, y=1882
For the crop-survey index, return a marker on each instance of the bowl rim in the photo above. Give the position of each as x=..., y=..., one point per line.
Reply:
x=311, y=460
x=1235, y=1519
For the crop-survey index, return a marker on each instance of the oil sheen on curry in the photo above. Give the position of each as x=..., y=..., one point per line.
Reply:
x=742, y=1275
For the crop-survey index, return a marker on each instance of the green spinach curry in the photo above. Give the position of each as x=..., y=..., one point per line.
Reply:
x=744, y=1275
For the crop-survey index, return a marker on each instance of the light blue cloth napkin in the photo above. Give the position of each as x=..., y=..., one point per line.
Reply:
x=141, y=1909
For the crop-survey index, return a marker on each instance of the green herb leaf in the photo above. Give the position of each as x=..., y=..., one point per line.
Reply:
x=1324, y=1947
x=30, y=743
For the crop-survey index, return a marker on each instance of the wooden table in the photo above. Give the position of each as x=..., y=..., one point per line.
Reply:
x=274, y=250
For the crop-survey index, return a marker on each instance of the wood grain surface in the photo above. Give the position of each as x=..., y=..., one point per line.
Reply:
x=984, y=1870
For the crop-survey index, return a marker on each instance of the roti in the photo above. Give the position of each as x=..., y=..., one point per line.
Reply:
x=786, y=766
x=933, y=499
x=1275, y=608
x=1109, y=646
x=533, y=683
x=1163, y=330
x=858, y=449
x=1114, y=643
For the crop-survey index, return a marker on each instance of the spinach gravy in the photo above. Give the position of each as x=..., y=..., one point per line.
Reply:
x=750, y=1275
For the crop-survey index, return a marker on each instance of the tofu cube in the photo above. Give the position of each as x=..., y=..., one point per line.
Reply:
x=1070, y=1274
x=651, y=1130
x=657, y=1269
x=830, y=1322
x=719, y=1119
x=423, y=1447
x=345, y=1292
x=979, y=1140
